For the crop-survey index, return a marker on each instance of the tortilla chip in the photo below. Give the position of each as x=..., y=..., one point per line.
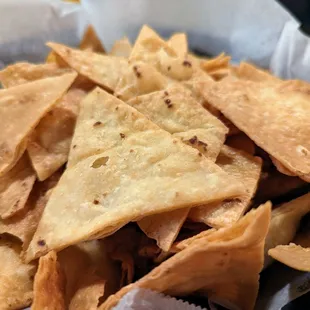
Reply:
x=23, y=72
x=242, y=142
x=246, y=169
x=49, y=284
x=139, y=79
x=218, y=67
x=121, y=48
x=21, y=108
x=133, y=155
x=292, y=255
x=91, y=288
x=15, y=187
x=226, y=265
x=178, y=42
x=164, y=227
x=101, y=69
x=24, y=224
x=284, y=223
x=16, y=278
x=269, y=107
x=91, y=42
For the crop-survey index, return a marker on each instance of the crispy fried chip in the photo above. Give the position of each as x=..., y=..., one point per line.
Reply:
x=292, y=255
x=91, y=42
x=139, y=79
x=24, y=224
x=279, y=110
x=16, y=278
x=121, y=48
x=284, y=223
x=21, y=108
x=134, y=157
x=218, y=67
x=246, y=169
x=49, y=284
x=101, y=69
x=15, y=187
x=178, y=42
x=50, y=141
x=91, y=288
x=225, y=264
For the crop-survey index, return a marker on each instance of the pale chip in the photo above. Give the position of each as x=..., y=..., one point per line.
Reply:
x=16, y=277
x=91, y=42
x=166, y=173
x=225, y=265
x=49, y=284
x=121, y=48
x=15, y=187
x=246, y=169
x=280, y=112
x=103, y=70
x=178, y=42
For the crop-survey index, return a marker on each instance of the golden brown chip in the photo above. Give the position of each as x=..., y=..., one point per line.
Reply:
x=49, y=284
x=278, y=110
x=178, y=42
x=226, y=265
x=292, y=255
x=284, y=223
x=21, y=109
x=164, y=227
x=218, y=67
x=91, y=42
x=122, y=154
x=139, y=79
x=101, y=69
x=21, y=73
x=90, y=289
x=244, y=168
x=15, y=187
x=121, y=48
x=16, y=278
x=24, y=224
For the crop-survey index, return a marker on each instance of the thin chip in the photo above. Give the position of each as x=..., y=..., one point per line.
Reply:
x=49, y=284
x=21, y=109
x=292, y=255
x=133, y=155
x=121, y=48
x=178, y=42
x=225, y=265
x=24, y=224
x=139, y=79
x=279, y=110
x=91, y=42
x=218, y=67
x=284, y=223
x=16, y=278
x=246, y=169
x=90, y=289
x=101, y=69
x=24, y=72
x=15, y=187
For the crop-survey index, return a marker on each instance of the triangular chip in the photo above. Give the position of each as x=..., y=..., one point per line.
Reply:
x=49, y=284
x=292, y=255
x=285, y=222
x=178, y=42
x=15, y=187
x=21, y=109
x=139, y=79
x=24, y=224
x=121, y=48
x=225, y=265
x=135, y=158
x=16, y=278
x=218, y=67
x=91, y=42
x=246, y=169
x=280, y=111
x=101, y=69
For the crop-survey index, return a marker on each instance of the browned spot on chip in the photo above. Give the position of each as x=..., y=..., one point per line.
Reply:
x=122, y=135
x=100, y=162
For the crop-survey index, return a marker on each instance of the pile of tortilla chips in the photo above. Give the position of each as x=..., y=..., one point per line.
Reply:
x=148, y=167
